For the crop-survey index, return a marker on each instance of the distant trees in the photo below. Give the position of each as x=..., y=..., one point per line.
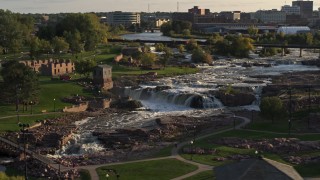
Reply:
x=192, y=45
x=253, y=31
x=20, y=83
x=181, y=48
x=272, y=107
x=148, y=59
x=59, y=44
x=85, y=67
x=200, y=56
x=237, y=46
x=177, y=27
x=15, y=31
x=82, y=28
x=165, y=57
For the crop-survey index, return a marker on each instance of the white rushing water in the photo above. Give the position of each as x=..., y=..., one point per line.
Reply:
x=183, y=91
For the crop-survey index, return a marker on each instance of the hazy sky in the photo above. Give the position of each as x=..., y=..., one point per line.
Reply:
x=56, y=6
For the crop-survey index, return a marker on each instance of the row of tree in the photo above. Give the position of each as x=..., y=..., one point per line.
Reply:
x=72, y=32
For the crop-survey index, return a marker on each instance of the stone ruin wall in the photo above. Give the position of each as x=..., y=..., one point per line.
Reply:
x=51, y=67
x=76, y=108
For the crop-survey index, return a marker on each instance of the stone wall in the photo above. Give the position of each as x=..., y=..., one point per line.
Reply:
x=77, y=108
x=99, y=104
x=51, y=67
x=118, y=58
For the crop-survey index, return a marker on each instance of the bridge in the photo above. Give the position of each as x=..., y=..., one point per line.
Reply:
x=285, y=46
x=35, y=155
x=204, y=43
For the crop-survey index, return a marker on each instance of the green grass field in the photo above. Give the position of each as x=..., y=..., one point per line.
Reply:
x=84, y=175
x=11, y=124
x=206, y=175
x=49, y=90
x=153, y=170
x=224, y=151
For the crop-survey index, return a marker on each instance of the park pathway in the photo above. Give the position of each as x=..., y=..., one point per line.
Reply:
x=174, y=154
x=29, y=115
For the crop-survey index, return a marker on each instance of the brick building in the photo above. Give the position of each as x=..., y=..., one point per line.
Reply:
x=51, y=67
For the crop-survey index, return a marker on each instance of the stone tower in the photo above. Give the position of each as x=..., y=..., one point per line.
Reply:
x=102, y=77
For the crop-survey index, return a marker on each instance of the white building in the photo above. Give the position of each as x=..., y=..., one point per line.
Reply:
x=159, y=22
x=270, y=16
x=124, y=18
x=293, y=29
x=291, y=9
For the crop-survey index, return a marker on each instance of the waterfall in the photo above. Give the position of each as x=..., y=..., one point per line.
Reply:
x=194, y=100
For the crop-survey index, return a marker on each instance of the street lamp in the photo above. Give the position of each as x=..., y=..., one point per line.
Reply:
x=31, y=103
x=112, y=171
x=252, y=115
x=18, y=116
x=289, y=126
x=191, y=142
x=24, y=131
x=234, y=121
x=54, y=105
x=194, y=133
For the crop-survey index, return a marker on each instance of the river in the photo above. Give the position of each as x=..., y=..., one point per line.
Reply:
x=176, y=100
x=157, y=36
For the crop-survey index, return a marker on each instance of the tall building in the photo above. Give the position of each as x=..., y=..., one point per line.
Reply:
x=196, y=10
x=124, y=18
x=291, y=10
x=235, y=15
x=306, y=8
x=270, y=16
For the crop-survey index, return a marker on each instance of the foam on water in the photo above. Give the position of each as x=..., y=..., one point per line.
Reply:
x=177, y=100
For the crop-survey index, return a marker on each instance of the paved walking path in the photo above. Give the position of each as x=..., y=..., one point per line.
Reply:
x=174, y=154
x=29, y=115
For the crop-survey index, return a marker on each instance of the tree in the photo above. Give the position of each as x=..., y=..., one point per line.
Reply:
x=15, y=30
x=199, y=56
x=214, y=39
x=241, y=47
x=148, y=59
x=159, y=47
x=34, y=47
x=20, y=82
x=186, y=32
x=59, y=44
x=84, y=29
x=271, y=107
x=165, y=57
x=192, y=45
x=74, y=41
x=253, y=31
x=181, y=48
x=166, y=28
x=85, y=67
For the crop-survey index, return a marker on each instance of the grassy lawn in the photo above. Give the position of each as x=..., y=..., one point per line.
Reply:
x=280, y=127
x=11, y=124
x=12, y=174
x=49, y=90
x=224, y=151
x=168, y=71
x=206, y=175
x=163, y=152
x=84, y=175
x=153, y=170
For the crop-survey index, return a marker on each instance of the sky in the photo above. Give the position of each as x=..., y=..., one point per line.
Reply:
x=57, y=6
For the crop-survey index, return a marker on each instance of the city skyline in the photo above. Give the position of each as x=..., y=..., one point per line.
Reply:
x=58, y=6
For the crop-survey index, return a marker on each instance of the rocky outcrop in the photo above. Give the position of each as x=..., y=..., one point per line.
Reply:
x=237, y=99
x=126, y=103
x=197, y=102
